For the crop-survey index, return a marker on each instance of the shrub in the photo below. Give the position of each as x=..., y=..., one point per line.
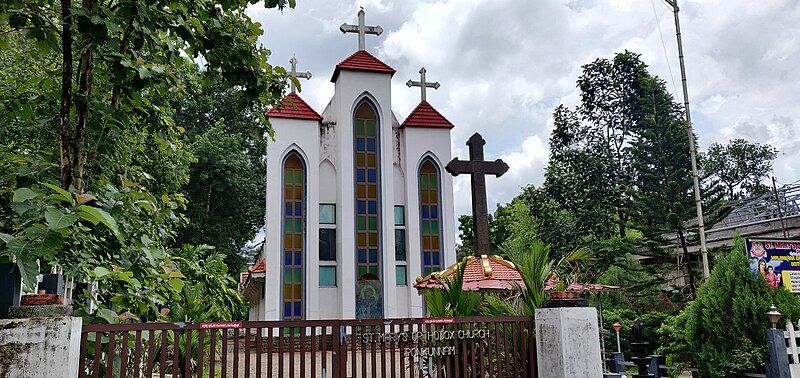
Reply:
x=725, y=325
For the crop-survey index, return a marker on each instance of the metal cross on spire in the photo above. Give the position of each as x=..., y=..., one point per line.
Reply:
x=422, y=83
x=361, y=29
x=478, y=169
x=293, y=73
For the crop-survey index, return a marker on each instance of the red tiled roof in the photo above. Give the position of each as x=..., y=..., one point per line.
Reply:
x=424, y=115
x=494, y=273
x=294, y=107
x=258, y=267
x=362, y=61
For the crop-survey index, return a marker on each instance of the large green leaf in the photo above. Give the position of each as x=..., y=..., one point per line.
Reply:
x=61, y=194
x=95, y=215
x=23, y=194
x=57, y=219
x=28, y=269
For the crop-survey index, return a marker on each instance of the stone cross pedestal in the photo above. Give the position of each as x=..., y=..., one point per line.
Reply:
x=568, y=342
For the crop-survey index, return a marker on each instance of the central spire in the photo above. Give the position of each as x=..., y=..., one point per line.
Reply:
x=362, y=29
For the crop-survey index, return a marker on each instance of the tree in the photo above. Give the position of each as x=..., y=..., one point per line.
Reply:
x=725, y=326
x=740, y=165
x=95, y=190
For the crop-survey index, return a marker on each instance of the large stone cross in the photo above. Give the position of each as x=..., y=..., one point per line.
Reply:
x=293, y=73
x=422, y=83
x=478, y=169
x=361, y=29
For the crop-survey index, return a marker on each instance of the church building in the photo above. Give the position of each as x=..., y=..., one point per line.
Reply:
x=358, y=203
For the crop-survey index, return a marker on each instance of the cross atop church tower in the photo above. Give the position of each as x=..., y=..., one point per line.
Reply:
x=293, y=73
x=362, y=29
x=422, y=83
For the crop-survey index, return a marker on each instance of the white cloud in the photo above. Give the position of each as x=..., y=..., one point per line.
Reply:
x=504, y=65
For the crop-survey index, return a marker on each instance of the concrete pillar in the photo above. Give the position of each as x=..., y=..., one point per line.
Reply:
x=40, y=347
x=568, y=342
x=778, y=366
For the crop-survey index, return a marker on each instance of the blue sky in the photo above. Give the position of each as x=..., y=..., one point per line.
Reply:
x=504, y=65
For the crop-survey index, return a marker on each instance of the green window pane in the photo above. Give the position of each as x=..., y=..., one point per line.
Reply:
x=287, y=275
x=399, y=216
x=373, y=223
x=361, y=224
x=327, y=276
x=298, y=225
x=359, y=128
x=370, y=128
x=400, y=275
x=298, y=275
x=434, y=227
x=373, y=270
x=327, y=214
x=362, y=270
x=287, y=225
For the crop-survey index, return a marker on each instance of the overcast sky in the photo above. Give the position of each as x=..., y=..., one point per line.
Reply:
x=504, y=65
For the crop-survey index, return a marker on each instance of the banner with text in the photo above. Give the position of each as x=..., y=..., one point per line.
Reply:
x=776, y=261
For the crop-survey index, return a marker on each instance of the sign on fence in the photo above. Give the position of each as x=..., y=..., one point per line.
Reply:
x=776, y=261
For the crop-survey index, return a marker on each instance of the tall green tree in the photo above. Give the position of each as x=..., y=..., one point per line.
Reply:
x=740, y=165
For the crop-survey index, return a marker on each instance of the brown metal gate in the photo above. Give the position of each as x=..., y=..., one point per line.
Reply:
x=430, y=347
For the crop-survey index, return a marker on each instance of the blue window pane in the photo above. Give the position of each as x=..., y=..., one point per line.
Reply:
x=298, y=209
x=373, y=255
x=296, y=308
x=434, y=212
x=371, y=145
x=361, y=207
x=288, y=208
x=400, y=275
x=287, y=309
x=287, y=258
x=373, y=207
x=362, y=256
x=425, y=212
x=360, y=175
x=427, y=258
x=298, y=258
x=359, y=144
x=371, y=176
x=435, y=258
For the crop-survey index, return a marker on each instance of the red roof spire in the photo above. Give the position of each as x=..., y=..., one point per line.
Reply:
x=424, y=115
x=294, y=107
x=362, y=61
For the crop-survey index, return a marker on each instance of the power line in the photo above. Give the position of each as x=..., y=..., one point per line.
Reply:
x=664, y=46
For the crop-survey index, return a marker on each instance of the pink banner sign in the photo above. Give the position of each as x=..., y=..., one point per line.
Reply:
x=214, y=325
x=438, y=320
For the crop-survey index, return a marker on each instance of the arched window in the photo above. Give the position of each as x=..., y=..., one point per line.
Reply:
x=430, y=221
x=294, y=215
x=369, y=303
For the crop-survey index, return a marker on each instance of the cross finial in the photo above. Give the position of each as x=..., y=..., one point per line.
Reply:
x=422, y=84
x=293, y=73
x=362, y=29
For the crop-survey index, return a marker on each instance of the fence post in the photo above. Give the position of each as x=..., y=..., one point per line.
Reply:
x=778, y=366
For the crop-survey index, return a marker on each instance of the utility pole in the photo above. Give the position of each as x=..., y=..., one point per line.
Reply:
x=780, y=209
x=692, y=150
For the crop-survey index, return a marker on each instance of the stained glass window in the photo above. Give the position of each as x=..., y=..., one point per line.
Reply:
x=430, y=221
x=293, y=225
x=368, y=208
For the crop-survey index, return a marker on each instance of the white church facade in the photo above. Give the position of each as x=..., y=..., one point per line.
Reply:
x=358, y=204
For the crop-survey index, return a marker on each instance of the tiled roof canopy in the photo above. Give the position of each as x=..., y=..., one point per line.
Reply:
x=362, y=61
x=494, y=273
x=424, y=115
x=294, y=107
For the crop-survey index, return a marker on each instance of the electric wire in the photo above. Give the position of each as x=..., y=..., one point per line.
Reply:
x=664, y=47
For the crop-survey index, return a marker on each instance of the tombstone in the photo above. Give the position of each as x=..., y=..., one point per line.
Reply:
x=52, y=283
x=10, y=288
x=641, y=349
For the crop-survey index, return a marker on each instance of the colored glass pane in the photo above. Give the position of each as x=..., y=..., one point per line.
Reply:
x=367, y=209
x=429, y=217
x=327, y=276
x=400, y=275
x=293, y=241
